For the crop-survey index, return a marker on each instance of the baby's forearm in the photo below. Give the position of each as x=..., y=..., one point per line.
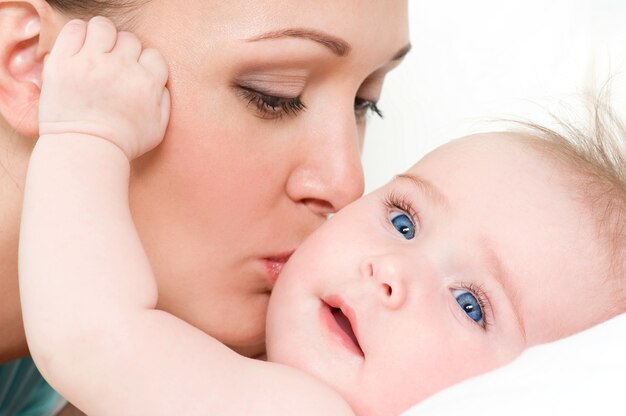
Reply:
x=88, y=291
x=78, y=243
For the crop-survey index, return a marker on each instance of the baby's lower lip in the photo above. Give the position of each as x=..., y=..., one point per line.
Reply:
x=339, y=334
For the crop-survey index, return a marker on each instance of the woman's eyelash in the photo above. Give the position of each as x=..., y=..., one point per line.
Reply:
x=275, y=107
x=481, y=296
x=271, y=106
x=362, y=106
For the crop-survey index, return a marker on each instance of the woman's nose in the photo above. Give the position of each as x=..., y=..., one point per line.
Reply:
x=329, y=174
x=389, y=273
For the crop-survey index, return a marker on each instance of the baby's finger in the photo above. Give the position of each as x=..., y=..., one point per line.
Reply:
x=127, y=46
x=153, y=61
x=101, y=35
x=70, y=39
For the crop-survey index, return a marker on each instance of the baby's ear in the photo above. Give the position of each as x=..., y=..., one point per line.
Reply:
x=27, y=31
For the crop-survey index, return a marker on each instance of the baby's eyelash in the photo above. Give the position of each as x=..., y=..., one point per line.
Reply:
x=483, y=300
x=271, y=106
x=394, y=201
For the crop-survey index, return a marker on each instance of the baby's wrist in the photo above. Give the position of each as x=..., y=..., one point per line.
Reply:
x=81, y=140
x=81, y=150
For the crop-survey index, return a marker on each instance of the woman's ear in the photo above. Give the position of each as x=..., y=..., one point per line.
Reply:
x=28, y=29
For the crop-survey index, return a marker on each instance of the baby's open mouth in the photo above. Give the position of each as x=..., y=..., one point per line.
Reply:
x=345, y=325
x=341, y=323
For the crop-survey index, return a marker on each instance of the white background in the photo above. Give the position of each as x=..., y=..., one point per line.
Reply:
x=477, y=60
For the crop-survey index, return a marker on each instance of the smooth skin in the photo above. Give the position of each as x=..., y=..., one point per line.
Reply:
x=215, y=259
x=399, y=264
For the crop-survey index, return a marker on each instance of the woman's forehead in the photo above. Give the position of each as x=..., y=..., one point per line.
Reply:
x=354, y=21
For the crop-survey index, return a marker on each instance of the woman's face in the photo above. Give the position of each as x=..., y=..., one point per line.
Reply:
x=269, y=102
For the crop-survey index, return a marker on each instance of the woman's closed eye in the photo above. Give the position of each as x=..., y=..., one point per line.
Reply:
x=363, y=106
x=273, y=106
x=268, y=106
x=472, y=301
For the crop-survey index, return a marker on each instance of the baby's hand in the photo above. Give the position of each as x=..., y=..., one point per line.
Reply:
x=98, y=82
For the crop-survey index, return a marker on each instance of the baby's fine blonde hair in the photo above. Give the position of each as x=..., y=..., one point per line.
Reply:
x=594, y=158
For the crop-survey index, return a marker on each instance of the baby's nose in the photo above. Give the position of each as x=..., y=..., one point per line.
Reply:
x=390, y=276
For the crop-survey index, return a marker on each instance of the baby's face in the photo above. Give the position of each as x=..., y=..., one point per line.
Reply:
x=452, y=269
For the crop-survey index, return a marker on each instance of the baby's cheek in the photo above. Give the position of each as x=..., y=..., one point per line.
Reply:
x=441, y=356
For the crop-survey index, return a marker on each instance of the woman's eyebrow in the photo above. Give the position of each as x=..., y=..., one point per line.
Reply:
x=336, y=45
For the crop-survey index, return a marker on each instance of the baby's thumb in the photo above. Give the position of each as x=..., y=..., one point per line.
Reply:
x=165, y=112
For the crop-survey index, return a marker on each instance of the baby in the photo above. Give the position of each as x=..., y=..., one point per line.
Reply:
x=487, y=246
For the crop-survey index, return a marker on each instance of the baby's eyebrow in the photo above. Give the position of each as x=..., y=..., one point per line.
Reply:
x=502, y=275
x=425, y=187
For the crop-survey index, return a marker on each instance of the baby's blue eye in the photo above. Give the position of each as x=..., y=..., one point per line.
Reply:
x=469, y=304
x=403, y=224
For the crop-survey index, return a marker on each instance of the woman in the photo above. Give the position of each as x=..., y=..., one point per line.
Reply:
x=269, y=101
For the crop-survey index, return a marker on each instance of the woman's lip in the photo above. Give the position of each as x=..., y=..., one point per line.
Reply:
x=331, y=324
x=274, y=265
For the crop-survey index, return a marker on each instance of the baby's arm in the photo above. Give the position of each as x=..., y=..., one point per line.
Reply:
x=88, y=292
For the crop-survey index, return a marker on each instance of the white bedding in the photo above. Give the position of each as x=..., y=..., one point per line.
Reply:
x=584, y=374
